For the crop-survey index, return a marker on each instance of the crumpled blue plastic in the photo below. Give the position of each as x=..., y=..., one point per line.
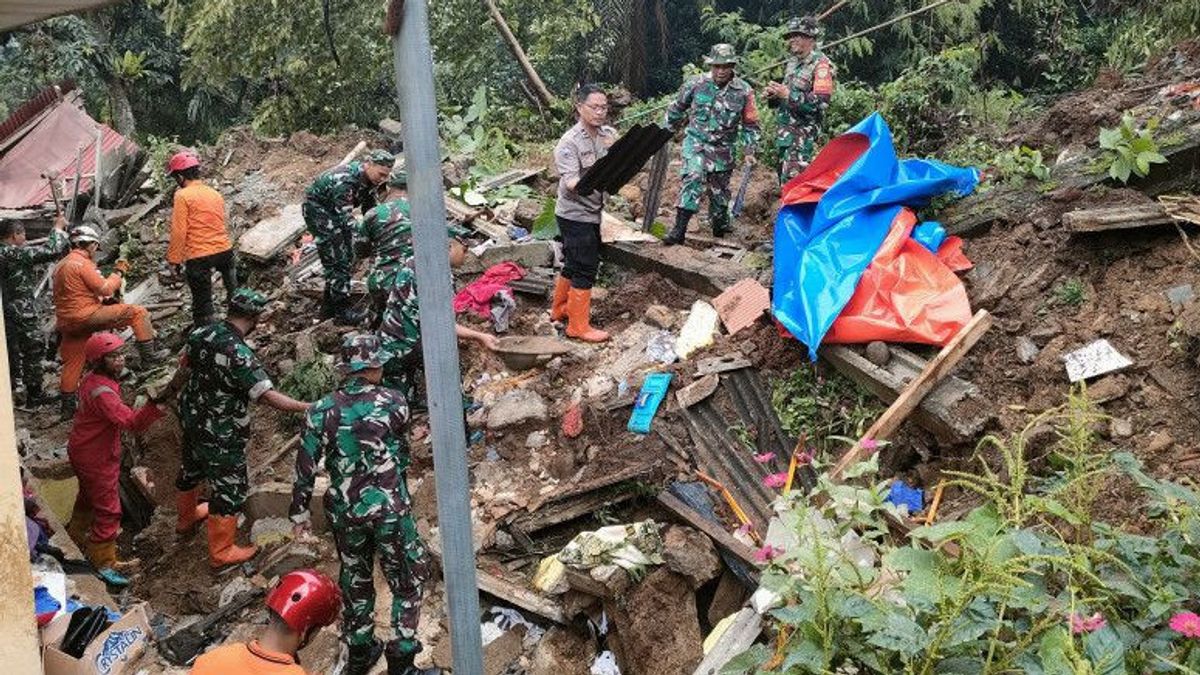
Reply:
x=930, y=234
x=902, y=494
x=822, y=249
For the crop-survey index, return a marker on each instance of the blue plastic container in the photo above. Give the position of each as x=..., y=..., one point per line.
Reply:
x=654, y=390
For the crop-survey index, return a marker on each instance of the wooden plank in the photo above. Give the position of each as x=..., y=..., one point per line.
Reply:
x=270, y=237
x=571, y=508
x=1116, y=218
x=742, y=633
x=714, y=531
x=146, y=208
x=525, y=598
x=910, y=398
x=508, y=178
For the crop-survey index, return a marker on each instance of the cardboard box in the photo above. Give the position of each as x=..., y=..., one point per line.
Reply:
x=108, y=654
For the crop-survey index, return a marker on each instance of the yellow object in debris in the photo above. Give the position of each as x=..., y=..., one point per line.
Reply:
x=717, y=631
x=698, y=331
x=551, y=576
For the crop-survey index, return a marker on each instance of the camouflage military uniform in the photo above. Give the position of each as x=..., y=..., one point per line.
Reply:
x=224, y=376
x=328, y=213
x=719, y=115
x=401, y=335
x=18, y=281
x=387, y=230
x=359, y=432
x=810, y=84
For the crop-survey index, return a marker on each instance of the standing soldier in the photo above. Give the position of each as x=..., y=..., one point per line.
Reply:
x=359, y=431
x=199, y=240
x=801, y=100
x=18, y=283
x=579, y=216
x=722, y=108
x=386, y=231
x=223, y=376
x=328, y=213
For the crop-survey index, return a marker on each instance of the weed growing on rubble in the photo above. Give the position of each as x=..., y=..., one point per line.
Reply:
x=1130, y=151
x=310, y=380
x=1071, y=293
x=1029, y=581
x=821, y=406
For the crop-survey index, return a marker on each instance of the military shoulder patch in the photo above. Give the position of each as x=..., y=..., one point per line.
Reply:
x=823, y=79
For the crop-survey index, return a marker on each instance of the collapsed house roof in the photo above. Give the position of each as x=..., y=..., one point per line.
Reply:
x=14, y=13
x=44, y=138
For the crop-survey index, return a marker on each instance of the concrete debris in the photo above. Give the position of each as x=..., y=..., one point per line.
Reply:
x=654, y=629
x=291, y=556
x=1120, y=428
x=1108, y=389
x=697, y=391
x=1160, y=442
x=699, y=329
x=1097, y=358
x=537, y=439
x=878, y=353
x=598, y=386
x=661, y=316
x=691, y=554
x=270, y=531
x=519, y=406
x=1027, y=350
x=234, y=588
x=1180, y=297
x=562, y=652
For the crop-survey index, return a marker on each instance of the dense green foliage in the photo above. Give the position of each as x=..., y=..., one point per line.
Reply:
x=1031, y=580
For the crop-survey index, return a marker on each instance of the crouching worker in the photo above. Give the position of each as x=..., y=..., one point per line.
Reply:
x=223, y=375
x=301, y=603
x=359, y=431
x=94, y=450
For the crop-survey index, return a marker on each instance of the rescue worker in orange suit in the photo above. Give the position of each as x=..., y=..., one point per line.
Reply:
x=302, y=603
x=199, y=241
x=94, y=450
x=78, y=292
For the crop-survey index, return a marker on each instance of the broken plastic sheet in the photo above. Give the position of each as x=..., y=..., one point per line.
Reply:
x=836, y=216
x=631, y=547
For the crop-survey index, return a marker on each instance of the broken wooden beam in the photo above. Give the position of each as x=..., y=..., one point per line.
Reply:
x=1116, y=218
x=509, y=177
x=910, y=398
x=714, y=531
x=525, y=598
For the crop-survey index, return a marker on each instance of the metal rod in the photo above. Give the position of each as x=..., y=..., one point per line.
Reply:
x=413, y=62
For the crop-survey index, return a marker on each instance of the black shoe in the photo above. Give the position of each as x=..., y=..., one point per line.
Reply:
x=677, y=233
x=362, y=657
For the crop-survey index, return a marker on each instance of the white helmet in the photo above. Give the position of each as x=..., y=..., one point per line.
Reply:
x=84, y=235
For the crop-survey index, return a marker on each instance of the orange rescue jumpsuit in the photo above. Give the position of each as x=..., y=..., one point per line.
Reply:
x=78, y=291
x=245, y=659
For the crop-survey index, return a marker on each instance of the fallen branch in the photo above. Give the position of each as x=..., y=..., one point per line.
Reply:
x=518, y=52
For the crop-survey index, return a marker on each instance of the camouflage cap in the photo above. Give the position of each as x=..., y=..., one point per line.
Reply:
x=455, y=230
x=247, y=302
x=808, y=26
x=721, y=55
x=398, y=178
x=361, y=351
x=382, y=158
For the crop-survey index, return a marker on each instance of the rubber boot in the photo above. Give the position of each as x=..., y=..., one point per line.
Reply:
x=579, y=310
x=558, y=307
x=222, y=542
x=677, y=233
x=149, y=354
x=361, y=658
x=79, y=524
x=103, y=556
x=191, y=512
x=400, y=663
x=66, y=405
x=720, y=225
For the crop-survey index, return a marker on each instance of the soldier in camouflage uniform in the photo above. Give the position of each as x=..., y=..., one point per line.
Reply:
x=359, y=432
x=386, y=231
x=801, y=100
x=18, y=282
x=222, y=376
x=328, y=213
x=400, y=329
x=722, y=109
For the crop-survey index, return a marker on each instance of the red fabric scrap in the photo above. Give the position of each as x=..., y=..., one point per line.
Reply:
x=477, y=296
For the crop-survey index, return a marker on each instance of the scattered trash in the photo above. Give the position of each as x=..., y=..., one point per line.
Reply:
x=551, y=576
x=929, y=234
x=904, y=495
x=1095, y=359
x=572, y=421
x=477, y=296
x=503, y=308
x=660, y=348
x=605, y=664
x=699, y=329
x=654, y=390
x=631, y=547
x=1180, y=296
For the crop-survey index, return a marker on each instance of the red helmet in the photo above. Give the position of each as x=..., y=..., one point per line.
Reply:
x=100, y=345
x=184, y=159
x=305, y=599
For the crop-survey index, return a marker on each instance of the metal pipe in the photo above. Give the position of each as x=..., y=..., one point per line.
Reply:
x=413, y=62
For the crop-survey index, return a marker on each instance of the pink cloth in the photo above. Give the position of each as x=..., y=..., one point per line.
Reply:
x=477, y=296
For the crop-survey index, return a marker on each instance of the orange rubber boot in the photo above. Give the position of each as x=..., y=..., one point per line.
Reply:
x=222, y=542
x=190, y=511
x=579, y=310
x=558, y=308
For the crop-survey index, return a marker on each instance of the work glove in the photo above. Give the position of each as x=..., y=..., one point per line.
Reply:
x=121, y=267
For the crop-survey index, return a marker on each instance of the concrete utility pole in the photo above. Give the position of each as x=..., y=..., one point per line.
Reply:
x=19, y=649
x=422, y=157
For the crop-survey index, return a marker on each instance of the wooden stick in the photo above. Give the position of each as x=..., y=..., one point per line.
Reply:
x=539, y=87
x=937, y=501
x=292, y=443
x=911, y=397
x=362, y=145
x=733, y=505
x=831, y=10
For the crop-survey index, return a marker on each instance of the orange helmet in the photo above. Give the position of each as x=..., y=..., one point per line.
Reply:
x=100, y=345
x=305, y=599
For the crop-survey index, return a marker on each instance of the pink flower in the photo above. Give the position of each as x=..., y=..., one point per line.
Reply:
x=1186, y=624
x=869, y=444
x=803, y=458
x=775, y=480
x=764, y=458
x=1080, y=624
x=744, y=530
x=767, y=553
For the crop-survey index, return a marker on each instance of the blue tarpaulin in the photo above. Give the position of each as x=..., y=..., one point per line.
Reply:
x=835, y=217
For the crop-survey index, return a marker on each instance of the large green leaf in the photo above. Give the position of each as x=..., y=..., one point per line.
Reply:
x=748, y=661
x=1106, y=651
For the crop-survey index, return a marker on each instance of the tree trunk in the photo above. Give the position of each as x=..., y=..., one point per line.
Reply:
x=535, y=80
x=122, y=110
